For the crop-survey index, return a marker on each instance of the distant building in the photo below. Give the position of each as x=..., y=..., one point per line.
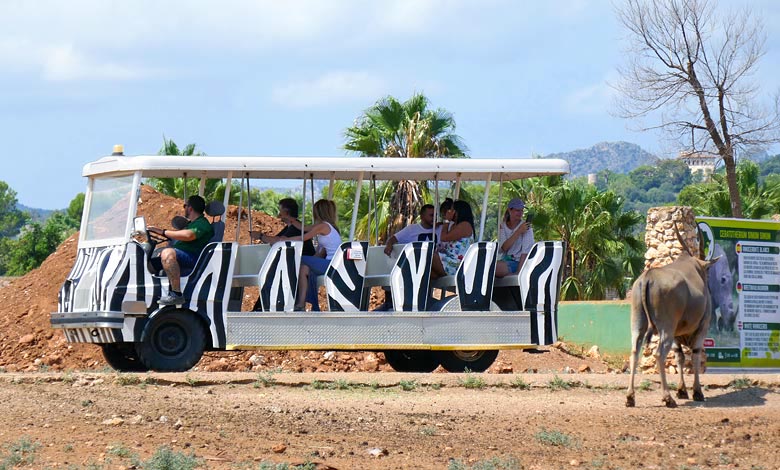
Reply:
x=699, y=162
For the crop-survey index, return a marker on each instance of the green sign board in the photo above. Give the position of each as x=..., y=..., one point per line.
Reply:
x=745, y=288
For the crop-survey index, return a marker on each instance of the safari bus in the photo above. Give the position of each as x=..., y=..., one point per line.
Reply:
x=110, y=297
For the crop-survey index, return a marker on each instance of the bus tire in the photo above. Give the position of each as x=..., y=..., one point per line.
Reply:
x=172, y=342
x=412, y=361
x=123, y=357
x=460, y=361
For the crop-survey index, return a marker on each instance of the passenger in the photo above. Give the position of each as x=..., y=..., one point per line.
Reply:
x=455, y=240
x=415, y=232
x=326, y=230
x=443, y=208
x=515, y=239
x=288, y=213
x=180, y=260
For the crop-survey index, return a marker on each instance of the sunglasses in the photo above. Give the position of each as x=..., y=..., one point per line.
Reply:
x=186, y=206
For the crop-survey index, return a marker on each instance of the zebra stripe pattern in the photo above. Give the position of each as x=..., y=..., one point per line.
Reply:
x=344, y=277
x=278, y=277
x=540, y=285
x=208, y=288
x=119, y=273
x=410, y=277
x=475, y=277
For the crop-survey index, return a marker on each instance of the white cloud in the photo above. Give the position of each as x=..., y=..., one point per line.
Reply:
x=333, y=87
x=64, y=63
x=588, y=100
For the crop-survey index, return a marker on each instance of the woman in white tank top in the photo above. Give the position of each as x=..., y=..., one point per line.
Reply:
x=326, y=230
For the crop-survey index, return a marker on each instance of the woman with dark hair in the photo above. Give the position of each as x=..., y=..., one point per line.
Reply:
x=455, y=240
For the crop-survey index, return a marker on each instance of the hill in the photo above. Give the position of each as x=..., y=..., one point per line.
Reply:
x=618, y=157
x=36, y=215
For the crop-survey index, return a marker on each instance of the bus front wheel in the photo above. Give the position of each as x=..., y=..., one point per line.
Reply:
x=173, y=342
x=123, y=357
x=461, y=361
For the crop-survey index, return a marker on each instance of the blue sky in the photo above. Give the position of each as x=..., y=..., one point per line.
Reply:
x=286, y=78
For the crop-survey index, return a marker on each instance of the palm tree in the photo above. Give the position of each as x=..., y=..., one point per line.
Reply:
x=760, y=198
x=176, y=187
x=599, y=235
x=410, y=129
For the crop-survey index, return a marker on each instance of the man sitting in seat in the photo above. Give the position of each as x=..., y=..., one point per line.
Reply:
x=414, y=233
x=180, y=260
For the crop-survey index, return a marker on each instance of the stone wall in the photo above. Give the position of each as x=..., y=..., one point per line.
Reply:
x=663, y=247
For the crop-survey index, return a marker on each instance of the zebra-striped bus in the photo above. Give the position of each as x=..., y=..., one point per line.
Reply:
x=110, y=298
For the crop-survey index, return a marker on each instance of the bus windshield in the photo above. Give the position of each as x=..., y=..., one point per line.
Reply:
x=108, y=206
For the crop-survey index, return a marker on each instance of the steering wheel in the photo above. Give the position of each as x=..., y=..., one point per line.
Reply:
x=154, y=238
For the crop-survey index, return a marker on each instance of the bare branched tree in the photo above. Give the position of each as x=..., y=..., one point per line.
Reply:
x=694, y=69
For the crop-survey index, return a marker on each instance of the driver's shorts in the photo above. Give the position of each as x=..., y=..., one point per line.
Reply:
x=186, y=262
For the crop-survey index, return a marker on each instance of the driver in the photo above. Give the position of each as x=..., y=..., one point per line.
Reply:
x=179, y=260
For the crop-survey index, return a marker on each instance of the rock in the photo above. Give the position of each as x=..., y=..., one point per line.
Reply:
x=583, y=369
x=178, y=424
x=113, y=421
x=256, y=360
x=137, y=419
x=163, y=419
x=594, y=352
x=279, y=448
x=27, y=339
x=376, y=452
x=328, y=356
x=574, y=463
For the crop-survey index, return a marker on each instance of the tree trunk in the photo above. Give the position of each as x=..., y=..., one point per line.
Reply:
x=406, y=202
x=731, y=180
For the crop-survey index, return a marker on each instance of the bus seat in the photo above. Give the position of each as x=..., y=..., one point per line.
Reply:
x=345, y=276
x=411, y=276
x=278, y=277
x=216, y=209
x=475, y=276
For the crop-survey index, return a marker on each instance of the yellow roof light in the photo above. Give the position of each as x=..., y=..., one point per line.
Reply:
x=119, y=149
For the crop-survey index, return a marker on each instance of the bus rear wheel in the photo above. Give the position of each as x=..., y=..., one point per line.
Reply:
x=173, y=342
x=412, y=361
x=461, y=361
x=123, y=357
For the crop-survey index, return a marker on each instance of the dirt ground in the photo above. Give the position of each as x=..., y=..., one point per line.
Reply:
x=378, y=421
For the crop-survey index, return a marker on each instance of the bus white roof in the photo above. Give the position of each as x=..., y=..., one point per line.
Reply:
x=340, y=168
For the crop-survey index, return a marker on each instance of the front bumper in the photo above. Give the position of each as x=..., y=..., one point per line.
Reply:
x=89, y=327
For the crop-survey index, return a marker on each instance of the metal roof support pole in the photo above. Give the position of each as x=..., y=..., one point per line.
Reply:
x=330, y=186
x=311, y=185
x=249, y=205
x=483, y=215
x=202, y=186
x=302, y=214
x=184, y=187
x=356, y=206
x=456, y=193
x=500, y=214
x=228, y=187
x=376, y=217
x=240, y=204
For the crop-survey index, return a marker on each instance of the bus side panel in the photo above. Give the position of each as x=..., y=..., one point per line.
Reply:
x=208, y=288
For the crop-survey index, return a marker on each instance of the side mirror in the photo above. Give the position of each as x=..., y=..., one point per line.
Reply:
x=139, y=225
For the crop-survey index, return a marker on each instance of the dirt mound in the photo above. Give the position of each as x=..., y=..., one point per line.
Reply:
x=28, y=343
